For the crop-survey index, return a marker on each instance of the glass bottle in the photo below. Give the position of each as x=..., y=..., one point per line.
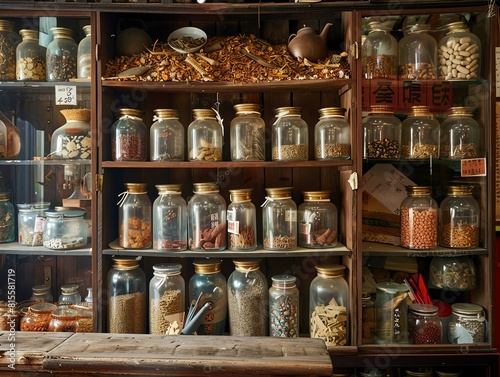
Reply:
x=289, y=135
x=38, y=317
x=284, y=307
x=417, y=52
x=30, y=57
x=279, y=219
x=127, y=297
x=41, y=293
x=63, y=320
x=241, y=221
x=332, y=135
x=205, y=137
x=166, y=136
x=61, y=55
x=8, y=44
x=248, y=134
x=460, y=134
x=129, y=139
x=73, y=139
x=420, y=135
x=31, y=223
x=391, y=325
x=381, y=134
x=454, y=273
x=65, y=228
x=380, y=53
x=134, y=217
x=7, y=218
x=467, y=324
x=368, y=317
x=424, y=325
x=167, y=303
x=84, y=62
x=69, y=295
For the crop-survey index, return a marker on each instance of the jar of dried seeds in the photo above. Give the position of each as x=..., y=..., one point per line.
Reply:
x=129, y=136
x=381, y=134
x=332, y=135
x=7, y=218
x=457, y=273
x=205, y=137
x=134, y=217
x=31, y=223
x=166, y=136
x=241, y=221
x=460, y=134
x=420, y=135
x=380, y=53
x=467, y=324
x=84, y=62
x=65, y=228
x=8, y=44
x=38, y=317
x=73, y=139
x=417, y=52
x=290, y=135
x=64, y=320
x=279, y=219
x=61, y=55
x=284, y=307
x=424, y=325
x=30, y=57
x=248, y=134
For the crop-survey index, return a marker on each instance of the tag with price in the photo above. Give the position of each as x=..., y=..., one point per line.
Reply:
x=65, y=95
x=474, y=167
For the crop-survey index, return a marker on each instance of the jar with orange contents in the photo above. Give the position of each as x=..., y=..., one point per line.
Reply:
x=135, y=217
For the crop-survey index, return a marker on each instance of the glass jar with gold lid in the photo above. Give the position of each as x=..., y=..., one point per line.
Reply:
x=166, y=136
x=460, y=134
x=241, y=221
x=61, y=55
x=420, y=135
x=381, y=134
x=134, y=217
x=332, y=136
x=205, y=136
x=8, y=43
x=289, y=135
x=30, y=57
x=129, y=136
x=248, y=133
x=279, y=219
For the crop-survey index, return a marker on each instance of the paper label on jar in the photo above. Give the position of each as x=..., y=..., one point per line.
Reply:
x=233, y=226
x=291, y=215
x=305, y=228
x=214, y=220
x=39, y=224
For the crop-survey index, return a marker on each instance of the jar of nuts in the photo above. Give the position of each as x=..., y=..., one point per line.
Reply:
x=332, y=135
x=8, y=44
x=134, y=217
x=166, y=136
x=420, y=135
x=241, y=221
x=73, y=139
x=457, y=273
x=30, y=57
x=467, y=324
x=61, y=55
x=417, y=52
x=460, y=134
x=129, y=136
x=205, y=136
x=381, y=134
x=279, y=219
x=289, y=135
x=38, y=317
x=64, y=320
x=424, y=325
x=380, y=53
x=248, y=133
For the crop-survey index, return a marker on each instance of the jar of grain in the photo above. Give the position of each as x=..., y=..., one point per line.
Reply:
x=381, y=134
x=205, y=136
x=69, y=295
x=65, y=229
x=127, y=297
x=61, y=55
x=332, y=135
x=30, y=57
x=31, y=222
x=379, y=53
x=8, y=44
x=456, y=273
x=279, y=219
x=84, y=56
x=38, y=317
x=368, y=317
x=420, y=135
x=85, y=316
x=424, y=325
x=42, y=293
x=129, y=136
x=417, y=52
x=460, y=134
x=329, y=305
x=7, y=219
x=467, y=324
x=72, y=140
x=166, y=136
x=134, y=217
x=64, y=320
x=241, y=221
x=248, y=134
x=284, y=307
x=391, y=310
x=290, y=140
x=166, y=295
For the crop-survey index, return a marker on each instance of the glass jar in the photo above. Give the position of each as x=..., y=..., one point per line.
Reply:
x=284, y=307
x=241, y=221
x=467, y=324
x=7, y=218
x=134, y=217
x=247, y=295
x=38, y=316
x=420, y=135
x=279, y=219
x=332, y=135
x=65, y=228
x=460, y=134
x=63, y=320
x=31, y=223
x=166, y=136
x=419, y=219
x=8, y=44
x=69, y=295
x=30, y=57
x=317, y=220
x=167, y=303
x=290, y=139
x=381, y=134
x=170, y=219
x=368, y=317
x=456, y=273
x=42, y=293
x=329, y=305
x=207, y=218
x=61, y=55
x=380, y=53
x=129, y=139
x=205, y=137
x=248, y=134
x=391, y=310
x=127, y=297
x=84, y=62
x=209, y=285
x=424, y=325
x=73, y=139
x=85, y=317
x=417, y=52
x=9, y=318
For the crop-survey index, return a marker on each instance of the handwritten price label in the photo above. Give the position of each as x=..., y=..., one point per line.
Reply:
x=474, y=167
x=65, y=95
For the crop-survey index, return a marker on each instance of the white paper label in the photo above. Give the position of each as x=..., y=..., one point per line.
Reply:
x=65, y=95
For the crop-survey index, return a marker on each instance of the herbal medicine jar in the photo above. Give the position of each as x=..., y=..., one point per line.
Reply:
x=166, y=136
x=381, y=134
x=129, y=136
x=289, y=135
x=8, y=43
x=417, y=52
x=391, y=325
x=420, y=135
x=84, y=57
x=241, y=221
x=69, y=295
x=64, y=320
x=7, y=219
x=38, y=317
x=61, y=55
x=209, y=285
x=127, y=297
x=329, y=305
x=65, y=228
x=279, y=219
x=424, y=325
x=467, y=324
x=419, y=219
x=379, y=53
x=205, y=137
x=41, y=293
x=456, y=273
x=460, y=134
x=207, y=218
x=332, y=136
x=170, y=219
x=284, y=307
x=73, y=139
x=31, y=223
x=247, y=134
x=30, y=57
x=166, y=295
x=134, y=217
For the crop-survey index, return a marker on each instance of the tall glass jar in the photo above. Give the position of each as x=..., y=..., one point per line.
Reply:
x=42, y=293
x=391, y=325
x=467, y=324
x=381, y=134
x=241, y=221
x=424, y=325
x=247, y=134
x=329, y=305
x=420, y=135
x=166, y=136
x=65, y=228
x=279, y=219
x=170, y=219
x=127, y=297
x=332, y=135
x=380, y=53
x=61, y=55
x=129, y=139
x=84, y=62
x=290, y=139
x=134, y=217
x=460, y=134
x=167, y=303
x=205, y=137
x=7, y=218
x=417, y=52
x=38, y=317
x=284, y=307
x=30, y=57
x=73, y=139
x=8, y=44
x=31, y=223
x=69, y=295
x=209, y=285
x=207, y=218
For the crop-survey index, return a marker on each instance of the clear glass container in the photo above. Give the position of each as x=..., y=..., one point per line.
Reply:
x=460, y=134
x=284, y=307
x=290, y=141
x=42, y=293
x=166, y=136
x=7, y=218
x=65, y=228
x=329, y=305
x=391, y=309
x=381, y=134
x=247, y=295
x=129, y=140
x=454, y=273
x=424, y=325
x=279, y=219
x=134, y=217
x=64, y=320
x=61, y=55
x=84, y=57
x=73, y=139
x=417, y=52
x=30, y=57
x=205, y=137
x=126, y=297
x=69, y=295
x=368, y=317
x=467, y=324
x=85, y=317
x=241, y=221
x=8, y=44
x=38, y=317
x=379, y=53
x=332, y=135
x=170, y=219
x=420, y=135
x=31, y=223
x=247, y=136
x=419, y=219
x=167, y=302
x=207, y=218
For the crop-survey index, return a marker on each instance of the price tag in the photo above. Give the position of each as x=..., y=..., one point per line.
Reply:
x=473, y=167
x=65, y=95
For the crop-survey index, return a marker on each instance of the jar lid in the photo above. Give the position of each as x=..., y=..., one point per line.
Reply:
x=131, y=112
x=420, y=111
x=167, y=268
x=418, y=190
x=240, y=195
x=166, y=113
x=69, y=289
x=174, y=188
x=205, y=187
x=290, y=110
x=331, y=111
x=26, y=207
x=4, y=196
x=392, y=288
x=39, y=290
x=243, y=108
x=136, y=188
x=29, y=34
x=416, y=28
x=279, y=192
x=330, y=270
x=6, y=25
x=66, y=212
x=460, y=190
x=63, y=312
x=43, y=307
x=87, y=29
x=424, y=309
x=467, y=309
x=316, y=195
x=381, y=109
x=125, y=263
x=247, y=264
x=462, y=111
x=203, y=113
x=61, y=32
x=284, y=281
x=76, y=114
x=376, y=25
x=207, y=266
x=453, y=27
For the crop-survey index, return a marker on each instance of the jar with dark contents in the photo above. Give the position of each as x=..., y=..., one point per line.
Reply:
x=380, y=53
x=38, y=317
x=420, y=135
x=332, y=135
x=460, y=134
x=166, y=136
x=455, y=273
x=205, y=137
x=424, y=325
x=279, y=219
x=64, y=320
x=290, y=135
x=61, y=55
x=284, y=307
x=381, y=134
x=467, y=324
x=8, y=44
x=30, y=57
x=134, y=217
x=129, y=136
x=241, y=221
x=7, y=218
x=248, y=134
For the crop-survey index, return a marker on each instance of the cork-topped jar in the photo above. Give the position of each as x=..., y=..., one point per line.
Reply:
x=134, y=217
x=205, y=136
x=73, y=139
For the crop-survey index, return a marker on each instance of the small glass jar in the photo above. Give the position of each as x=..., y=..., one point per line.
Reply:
x=72, y=140
x=457, y=273
x=166, y=136
x=460, y=134
x=205, y=137
x=129, y=139
x=329, y=305
x=8, y=44
x=207, y=218
x=380, y=53
x=290, y=139
x=467, y=324
x=84, y=62
x=7, y=218
x=332, y=135
x=38, y=316
x=241, y=221
x=424, y=325
x=368, y=317
x=247, y=135
x=61, y=55
x=134, y=217
x=63, y=320
x=167, y=303
x=127, y=297
x=65, y=228
x=417, y=52
x=420, y=135
x=69, y=295
x=31, y=223
x=284, y=307
x=419, y=219
x=279, y=219
x=85, y=317
x=30, y=57
x=381, y=134
x=391, y=309
x=42, y=293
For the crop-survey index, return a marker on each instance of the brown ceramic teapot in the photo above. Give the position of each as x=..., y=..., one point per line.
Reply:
x=132, y=37
x=308, y=44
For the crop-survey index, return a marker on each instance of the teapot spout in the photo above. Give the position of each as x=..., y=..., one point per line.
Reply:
x=325, y=30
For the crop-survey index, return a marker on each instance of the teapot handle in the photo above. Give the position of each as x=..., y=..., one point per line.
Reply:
x=290, y=37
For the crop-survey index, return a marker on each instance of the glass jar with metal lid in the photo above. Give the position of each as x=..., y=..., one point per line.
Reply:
x=284, y=307
x=454, y=273
x=134, y=217
x=84, y=62
x=279, y=219
x=8, y=42
x=424, y=325
x=207, y=218
x=69, y=295
x=7, y=218
x=241, y=221
x=329, y=305
x=42, y=293
x=166, y=136
x=38, y=317
x=31, y=223
x=460, y=134
x=467, y=324
x=30, y=57
x=391, y=325
x=381, y=134
x=420, y=135
x=129, y=136
x=205, y=137
x=417, y=52
x=247, y=134
x=379, y=53
x=73, y=139
x=290, y=140
x=61, y=55
x=332, y=135
x=65, y=228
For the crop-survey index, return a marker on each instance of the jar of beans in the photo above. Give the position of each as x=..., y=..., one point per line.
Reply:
x=419, y=219
x=37, y=317
x=391, y=310
x=380, y=53
x=61, y=55
x=424, y=325
x=129, y=136
x=166, y=136
x=241, y=221
x=72, y=140
x=417, y=52
x=30, y=57
x=248, y=133
x=31, y=222
x=460, y=134
x=289, y=135
x=84, y=62
x=7, y=219
x=381, y=134
x=420, y=135
x=134, y=217
x=65, y=228
x=64, y=320
x=284, y=307
x=205, y=136
x=42, y=293
x=332, y=135
x=456, y=273
x=69, y=295
x=8, y=44
x=467, y=324
x=279, y=219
